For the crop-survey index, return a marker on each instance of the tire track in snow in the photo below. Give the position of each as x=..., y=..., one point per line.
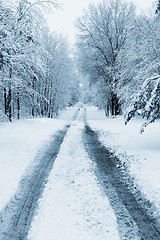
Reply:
x=73, y=207
x=16, y=217
x=133, y=221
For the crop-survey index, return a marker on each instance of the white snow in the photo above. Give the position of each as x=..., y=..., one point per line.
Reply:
x=72, y=205
x=19, y=143
x=68, y=113
x=141, y=152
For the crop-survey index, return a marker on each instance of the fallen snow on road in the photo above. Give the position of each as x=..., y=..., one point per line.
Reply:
x=19, y=143
x=72, y=205
x=140, y=152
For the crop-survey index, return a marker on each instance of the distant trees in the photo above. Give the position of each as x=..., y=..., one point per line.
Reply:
x=102, y=34
x=7, y=48
x=34, y=65
x=121, y=54
x=61, y=79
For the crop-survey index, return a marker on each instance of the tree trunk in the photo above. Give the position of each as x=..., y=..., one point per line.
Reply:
x=112, y=105
x=107, y=110
x=9, y=98
x=5, y=101
x=18, y=104
x=115, y=105
x=33, y=112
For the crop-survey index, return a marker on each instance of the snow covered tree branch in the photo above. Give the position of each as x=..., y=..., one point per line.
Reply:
x=147, y=102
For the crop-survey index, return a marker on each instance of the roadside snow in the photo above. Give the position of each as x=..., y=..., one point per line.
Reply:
x=19, y=143
x=140, y=152
x=72, y=205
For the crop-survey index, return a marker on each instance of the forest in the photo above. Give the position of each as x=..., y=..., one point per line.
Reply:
x=37, y=74
x=117, y=51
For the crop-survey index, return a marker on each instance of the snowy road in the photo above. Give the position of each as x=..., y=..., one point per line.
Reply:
x=17, y=215
x=75, y=191
x=133, y=222
x=73, y=206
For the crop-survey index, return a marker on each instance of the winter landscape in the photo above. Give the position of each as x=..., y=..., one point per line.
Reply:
x=79, y=120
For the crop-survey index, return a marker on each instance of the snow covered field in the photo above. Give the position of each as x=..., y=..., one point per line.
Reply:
x=140, y=152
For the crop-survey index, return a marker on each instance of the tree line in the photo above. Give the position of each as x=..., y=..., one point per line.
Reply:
x=37, y=74
x=119, y=52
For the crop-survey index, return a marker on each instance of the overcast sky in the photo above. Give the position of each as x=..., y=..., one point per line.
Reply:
x=62, y=20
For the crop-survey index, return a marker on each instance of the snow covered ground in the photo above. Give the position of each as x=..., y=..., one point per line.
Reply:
x=72, y=194
x=72, y=205
x=140, y=152
x=19, y=143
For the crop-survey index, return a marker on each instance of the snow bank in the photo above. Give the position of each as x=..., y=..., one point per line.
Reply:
x=72, y=205
x=141, y=152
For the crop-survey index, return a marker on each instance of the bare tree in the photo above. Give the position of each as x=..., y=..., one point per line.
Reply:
x=102, y=34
